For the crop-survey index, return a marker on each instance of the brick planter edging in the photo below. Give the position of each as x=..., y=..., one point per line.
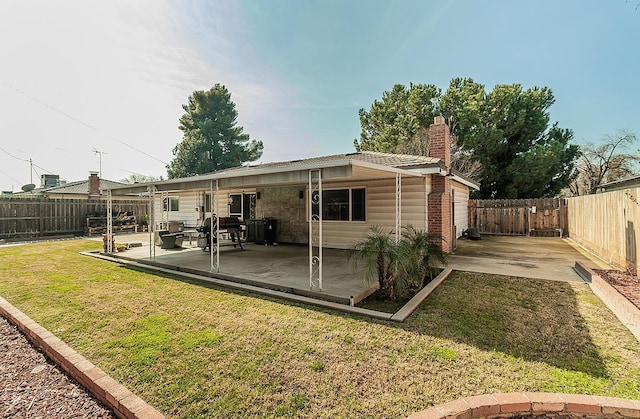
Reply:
x=625, y=311
x=534, y=404
x=114, y=395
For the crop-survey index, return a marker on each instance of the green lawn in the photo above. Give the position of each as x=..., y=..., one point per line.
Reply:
x=195, y=351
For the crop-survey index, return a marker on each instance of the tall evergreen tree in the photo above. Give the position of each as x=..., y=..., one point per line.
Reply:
x=501, y=138
x=508, y=132
x=212, y=140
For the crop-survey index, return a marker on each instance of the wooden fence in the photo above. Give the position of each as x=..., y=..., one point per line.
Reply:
x=524, y=217
x=605, y=224
x=37, y=217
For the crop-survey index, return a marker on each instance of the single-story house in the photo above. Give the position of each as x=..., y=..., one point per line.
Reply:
x=324, y=202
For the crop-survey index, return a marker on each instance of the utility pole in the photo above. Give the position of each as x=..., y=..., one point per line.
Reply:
x=31, y=170
x=100, y=153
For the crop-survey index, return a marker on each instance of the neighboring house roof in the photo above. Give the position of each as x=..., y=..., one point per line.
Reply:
x=630, y=182
x=80, y=187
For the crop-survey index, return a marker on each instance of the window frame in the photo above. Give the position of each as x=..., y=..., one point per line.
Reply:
x=349, y=205
x=171, y=204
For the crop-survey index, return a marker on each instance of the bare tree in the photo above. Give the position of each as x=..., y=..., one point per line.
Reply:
x=138, y=178
x=461, y=159
x=605, y=162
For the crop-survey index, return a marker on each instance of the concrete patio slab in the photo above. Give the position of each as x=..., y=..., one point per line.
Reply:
x=280, y=267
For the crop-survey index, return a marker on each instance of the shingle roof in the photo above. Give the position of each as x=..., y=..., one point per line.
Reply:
x=80, y=187
x=384, y=159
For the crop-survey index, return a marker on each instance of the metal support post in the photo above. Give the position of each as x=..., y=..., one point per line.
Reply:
x=315, y=235
x=109, y=222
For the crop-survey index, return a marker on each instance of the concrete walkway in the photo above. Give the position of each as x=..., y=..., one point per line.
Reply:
x=528, y=257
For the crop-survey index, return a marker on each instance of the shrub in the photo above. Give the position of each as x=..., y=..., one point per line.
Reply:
x=403, y=265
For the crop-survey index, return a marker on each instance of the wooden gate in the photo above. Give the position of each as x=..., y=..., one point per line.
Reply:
x=522, y=217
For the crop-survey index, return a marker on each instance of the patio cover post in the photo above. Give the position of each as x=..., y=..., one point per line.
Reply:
x=398, y=207
x=109, y=223
x=315, y=259
x=151, y=223
x=211, y=201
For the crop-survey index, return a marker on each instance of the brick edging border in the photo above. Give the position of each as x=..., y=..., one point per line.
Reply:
x=114, y=395
x=516, y=404
x=625, y=311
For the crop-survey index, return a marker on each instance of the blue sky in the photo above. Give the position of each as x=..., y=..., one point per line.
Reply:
x=112, y=76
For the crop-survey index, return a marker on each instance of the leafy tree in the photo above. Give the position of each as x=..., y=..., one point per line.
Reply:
x=507, y=131
x=400, y=121
x=138, y=178
x=501, y=138
x=606, y=162
x=211, y=140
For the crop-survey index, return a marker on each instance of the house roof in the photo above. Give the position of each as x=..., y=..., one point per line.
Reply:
x=382, y=159
x=361, y=165
x=630, y=182
x=80, y=187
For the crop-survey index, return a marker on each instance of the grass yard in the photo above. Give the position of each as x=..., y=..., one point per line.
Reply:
x=194, y=351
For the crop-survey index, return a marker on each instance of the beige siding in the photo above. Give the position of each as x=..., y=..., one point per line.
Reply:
x=381, y=210
x=187, y=213
x=461, y=208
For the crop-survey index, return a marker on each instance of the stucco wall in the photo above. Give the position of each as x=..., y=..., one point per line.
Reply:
x=285, y=205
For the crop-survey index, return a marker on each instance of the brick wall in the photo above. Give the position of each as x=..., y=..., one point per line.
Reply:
x=285, y=205
x=94, y=185
x=439, y=200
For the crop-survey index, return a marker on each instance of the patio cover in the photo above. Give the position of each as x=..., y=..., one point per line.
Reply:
x=314, y=171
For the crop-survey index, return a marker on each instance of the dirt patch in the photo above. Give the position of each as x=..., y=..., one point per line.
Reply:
x=626, y=284
x=32, y=387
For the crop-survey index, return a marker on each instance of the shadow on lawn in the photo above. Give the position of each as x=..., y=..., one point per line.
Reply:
x=534, y=320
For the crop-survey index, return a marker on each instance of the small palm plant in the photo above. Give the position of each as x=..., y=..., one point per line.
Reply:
x=402, y=267
x=419, y=254
x=378, y=252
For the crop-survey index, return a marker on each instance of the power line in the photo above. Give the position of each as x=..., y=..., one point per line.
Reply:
x=9, y=176
x=15, y=157
x=80, y=122
x=30, y=161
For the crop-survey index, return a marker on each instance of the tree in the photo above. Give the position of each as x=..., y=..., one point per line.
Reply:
x=507, y=131
x=212, y=140
x=138, y=178
x=605, y=162
x=501, y=138
x=399, y=123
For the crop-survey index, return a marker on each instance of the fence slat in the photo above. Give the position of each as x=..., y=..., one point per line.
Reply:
x=540, y=217
x=40, y=216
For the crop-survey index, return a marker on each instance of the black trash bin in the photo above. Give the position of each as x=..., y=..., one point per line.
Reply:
x=251, y=230
x=260, y=231
x=270, y=230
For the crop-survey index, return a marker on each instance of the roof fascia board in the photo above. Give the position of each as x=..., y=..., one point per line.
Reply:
x=473, y=185
x=382, y=168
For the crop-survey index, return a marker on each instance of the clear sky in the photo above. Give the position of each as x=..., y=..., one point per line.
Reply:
x=111, y=76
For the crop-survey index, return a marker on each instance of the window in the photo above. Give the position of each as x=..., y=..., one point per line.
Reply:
x=171, y=203
x=235, y=205
x=341, y=204
x=242, y=205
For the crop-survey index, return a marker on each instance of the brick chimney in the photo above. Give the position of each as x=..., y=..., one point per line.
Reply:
x=439, y=201
x=94, y=185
